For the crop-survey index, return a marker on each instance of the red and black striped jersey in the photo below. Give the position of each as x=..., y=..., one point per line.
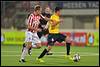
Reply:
x=33, y=21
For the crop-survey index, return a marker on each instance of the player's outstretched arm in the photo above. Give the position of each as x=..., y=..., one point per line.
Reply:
x=46, y=18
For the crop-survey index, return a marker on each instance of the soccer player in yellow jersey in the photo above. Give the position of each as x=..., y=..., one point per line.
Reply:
x=54, y=34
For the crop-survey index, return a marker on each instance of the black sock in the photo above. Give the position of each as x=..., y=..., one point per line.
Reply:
x=43, y=53
x=24, y=45
x=30, y=48
x=68, y=48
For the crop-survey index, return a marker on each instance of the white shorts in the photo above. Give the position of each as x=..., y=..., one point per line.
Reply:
x=32, y=37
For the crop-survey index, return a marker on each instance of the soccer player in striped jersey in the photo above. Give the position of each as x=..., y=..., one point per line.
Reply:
x=54, y=35
x=43, y=31
x=32, y=39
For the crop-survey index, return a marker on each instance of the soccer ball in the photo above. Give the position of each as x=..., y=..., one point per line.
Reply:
x=76, y=58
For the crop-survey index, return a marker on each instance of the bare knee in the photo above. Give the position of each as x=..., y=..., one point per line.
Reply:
x=28, y=45
x=49, y=48
x=68, y=39
x=39, y=45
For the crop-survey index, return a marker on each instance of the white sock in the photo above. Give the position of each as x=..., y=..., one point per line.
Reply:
x=24, y=53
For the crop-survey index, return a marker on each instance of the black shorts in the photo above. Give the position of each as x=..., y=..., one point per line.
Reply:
x=43, y=32
x=52, y=38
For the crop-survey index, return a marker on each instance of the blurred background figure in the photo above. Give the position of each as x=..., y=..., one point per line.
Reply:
x=48, y=10
x=2, y=37
x=91, y=39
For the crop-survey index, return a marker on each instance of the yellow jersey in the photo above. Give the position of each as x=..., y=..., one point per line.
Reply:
x=54, y=29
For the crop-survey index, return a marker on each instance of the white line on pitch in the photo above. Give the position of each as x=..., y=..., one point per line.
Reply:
x=91, y=53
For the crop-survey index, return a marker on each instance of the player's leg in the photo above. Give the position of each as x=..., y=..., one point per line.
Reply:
x=45, y=33
x=25, y=50
x=23, y=46
x=67, y=44
x=33, y=46
x=50, y=44
x=29, y=50
x=44, y=53
x=49, y=50
x=36, y=43
x=28, y=43
x=51, y=40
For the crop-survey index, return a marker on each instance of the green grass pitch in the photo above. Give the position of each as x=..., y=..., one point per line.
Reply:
x=10, y=56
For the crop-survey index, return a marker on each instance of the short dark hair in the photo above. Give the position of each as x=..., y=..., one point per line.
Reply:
x=57, y=9
x=37, y=7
